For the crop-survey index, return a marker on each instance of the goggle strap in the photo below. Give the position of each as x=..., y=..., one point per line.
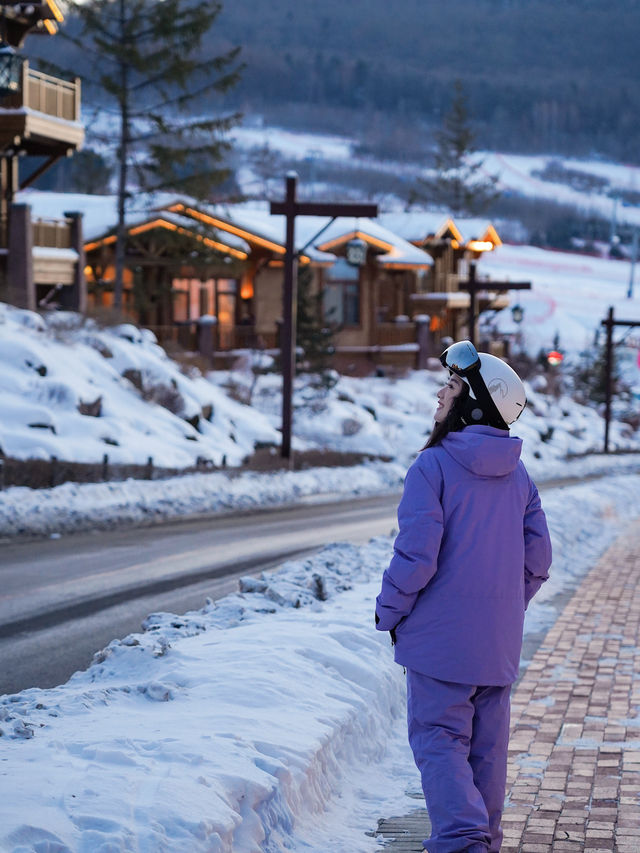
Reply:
x=485, y=400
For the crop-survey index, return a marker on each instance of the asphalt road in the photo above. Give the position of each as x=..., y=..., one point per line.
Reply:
x=64, y=599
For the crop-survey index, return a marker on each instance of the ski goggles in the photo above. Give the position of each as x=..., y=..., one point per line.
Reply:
x=461, y=358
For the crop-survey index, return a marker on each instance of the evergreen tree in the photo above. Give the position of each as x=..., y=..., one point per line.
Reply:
x=459, y=184
x=314, y=337
x=148, y=66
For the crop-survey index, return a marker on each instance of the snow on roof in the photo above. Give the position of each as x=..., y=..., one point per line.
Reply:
x=246, y=220
x=313, y=233
x=415, y=225
x=99, y=211
x=50, y=253
x=398, y=250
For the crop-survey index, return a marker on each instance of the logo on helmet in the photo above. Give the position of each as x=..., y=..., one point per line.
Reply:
x=498, y=387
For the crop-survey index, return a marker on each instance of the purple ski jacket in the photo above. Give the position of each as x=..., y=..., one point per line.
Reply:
x=473, y=548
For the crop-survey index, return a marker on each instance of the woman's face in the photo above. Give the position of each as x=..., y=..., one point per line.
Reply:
x=446, y=395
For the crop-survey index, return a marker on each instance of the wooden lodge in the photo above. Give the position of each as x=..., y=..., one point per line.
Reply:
x=39, y=118
x=392, y=300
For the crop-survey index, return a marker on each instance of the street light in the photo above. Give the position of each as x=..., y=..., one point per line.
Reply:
x=517, y=313
x=10, y=70
x=356, y=251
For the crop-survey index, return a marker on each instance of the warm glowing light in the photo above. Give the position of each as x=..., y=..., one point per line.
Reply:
x=57, y=14
x=246, y=290
x=49, y=26
x=492, y=235
x=390, y=265
x=356, y=235
x=449, y=227
x=105, y=241
x=148, y=226
x=480, y=246
x=455, y=244
x=226, y=226
x=170, y=226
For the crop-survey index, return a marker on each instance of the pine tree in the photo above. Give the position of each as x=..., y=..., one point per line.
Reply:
x=150, y=70
x=459, y=184
x=314, y=336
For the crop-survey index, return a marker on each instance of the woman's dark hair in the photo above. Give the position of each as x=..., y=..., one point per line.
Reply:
x=452, y=423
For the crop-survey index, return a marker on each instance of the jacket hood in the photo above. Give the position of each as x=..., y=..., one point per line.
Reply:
x=484, y=450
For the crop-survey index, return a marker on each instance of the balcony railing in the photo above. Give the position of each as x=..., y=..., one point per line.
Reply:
x=48, y=233
x=395, y=334
x=52, y=233
x=46, y=94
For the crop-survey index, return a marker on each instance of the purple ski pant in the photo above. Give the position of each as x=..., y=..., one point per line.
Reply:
x=459, y=735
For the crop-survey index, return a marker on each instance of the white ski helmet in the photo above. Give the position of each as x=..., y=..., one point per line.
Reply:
x=496, y=393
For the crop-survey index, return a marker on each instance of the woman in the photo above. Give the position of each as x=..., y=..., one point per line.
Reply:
x=472, y=549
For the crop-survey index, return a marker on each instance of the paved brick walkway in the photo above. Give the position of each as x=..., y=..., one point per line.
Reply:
x=574, y=757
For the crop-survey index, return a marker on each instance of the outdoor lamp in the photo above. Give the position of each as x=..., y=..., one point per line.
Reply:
x=10, y=70
x=517, y=312
x=356, y=252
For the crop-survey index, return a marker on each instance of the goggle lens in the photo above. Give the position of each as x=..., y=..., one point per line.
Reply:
x=461, y=358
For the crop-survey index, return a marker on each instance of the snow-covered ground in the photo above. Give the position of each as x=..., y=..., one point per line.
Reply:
x=270, y=720
x=49, y=368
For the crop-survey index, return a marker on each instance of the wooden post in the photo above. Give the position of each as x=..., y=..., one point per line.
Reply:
x=288, y=347
x=471, y=286
x=290, y=208
x=610, y=323
x=608, y=377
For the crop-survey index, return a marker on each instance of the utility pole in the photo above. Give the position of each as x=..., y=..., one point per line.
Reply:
x=634, y=258
x=472, y=286
x=291, y=208
x=609, y=323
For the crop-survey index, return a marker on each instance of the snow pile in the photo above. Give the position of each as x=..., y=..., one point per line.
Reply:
x=72, y=506
x=252, y=724
x=393, y=417
x=75, y=391
x=222, y=730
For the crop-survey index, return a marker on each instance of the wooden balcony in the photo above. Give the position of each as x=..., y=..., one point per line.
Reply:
x=47, y=233
x=51, y=233
x=44, y=114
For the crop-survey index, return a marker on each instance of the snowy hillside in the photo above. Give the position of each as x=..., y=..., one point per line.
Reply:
x=595, y=187
x=75, y=391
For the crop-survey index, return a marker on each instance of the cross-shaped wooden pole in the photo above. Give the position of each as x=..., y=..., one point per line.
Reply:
x=291, y=208
x=473, y=286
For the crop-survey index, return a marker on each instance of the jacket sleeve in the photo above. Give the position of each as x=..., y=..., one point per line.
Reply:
x=537, y=546
x=416, y=548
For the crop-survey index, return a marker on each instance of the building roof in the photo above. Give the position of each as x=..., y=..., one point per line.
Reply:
x=241, y=227
x=418, y=225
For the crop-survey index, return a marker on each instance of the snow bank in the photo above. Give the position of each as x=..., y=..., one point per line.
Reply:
x=243, y=726
x=218, y=731
x=75, y=391
x=72, y=506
